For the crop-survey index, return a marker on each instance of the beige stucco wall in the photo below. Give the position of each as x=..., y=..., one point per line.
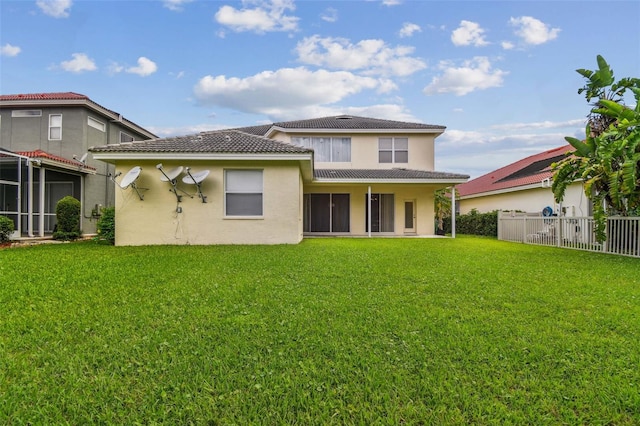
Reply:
x=364, y=151
x=530, y=200
x=422, y=195
x=156, y=221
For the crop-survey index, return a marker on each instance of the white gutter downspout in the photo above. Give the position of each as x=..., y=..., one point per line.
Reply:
x=369, y=209
x=453, y=212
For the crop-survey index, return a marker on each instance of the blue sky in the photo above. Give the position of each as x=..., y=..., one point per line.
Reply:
x=500, y=75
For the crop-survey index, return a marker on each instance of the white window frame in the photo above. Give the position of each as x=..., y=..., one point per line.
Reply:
x=52, y=127
x=26, y=113
x=96, y=124
x=307, y=142
x=393, y=150
x=122, y=136
x=227, y=192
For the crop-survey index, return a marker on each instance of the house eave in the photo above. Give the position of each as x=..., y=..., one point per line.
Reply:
x=305, y=160
x=504, y=191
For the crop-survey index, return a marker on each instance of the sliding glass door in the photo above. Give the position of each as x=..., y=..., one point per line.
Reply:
x=382, y=212
x=326, y=213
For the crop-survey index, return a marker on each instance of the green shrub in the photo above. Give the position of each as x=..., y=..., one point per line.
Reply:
x=6, y=229
x=474, y=223
x=68, y=217
x=107, y=225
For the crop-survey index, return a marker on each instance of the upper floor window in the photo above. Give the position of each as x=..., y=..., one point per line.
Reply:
x=96, y=124
x=243, y=192
x=125, y=137
x=26, y=113
x=327, y=149
x=55, y=127
x=393, y=150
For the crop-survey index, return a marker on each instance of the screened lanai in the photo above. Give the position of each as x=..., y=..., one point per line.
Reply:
x=31, y=184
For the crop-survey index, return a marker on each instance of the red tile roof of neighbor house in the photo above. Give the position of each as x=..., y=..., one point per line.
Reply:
x=43, y=155
x=43, y=96
x=530, y=170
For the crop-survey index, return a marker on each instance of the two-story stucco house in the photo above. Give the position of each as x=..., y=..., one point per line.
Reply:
x=274, y=184
x=44, y=141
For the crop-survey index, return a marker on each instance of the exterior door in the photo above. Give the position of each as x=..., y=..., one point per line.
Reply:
x=409, y=216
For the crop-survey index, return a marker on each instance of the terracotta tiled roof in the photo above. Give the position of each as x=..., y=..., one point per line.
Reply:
x=351, y=122
x=385, y=174
x=39, y=154
x=57, y=96
x=530, y=170
x=220, y=141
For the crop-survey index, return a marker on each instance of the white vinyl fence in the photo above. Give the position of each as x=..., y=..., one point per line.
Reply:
x=623, y=233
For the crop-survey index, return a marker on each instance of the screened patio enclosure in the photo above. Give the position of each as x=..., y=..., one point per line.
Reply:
x=30, y=187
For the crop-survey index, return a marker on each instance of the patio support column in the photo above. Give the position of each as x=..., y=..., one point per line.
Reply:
x=42, y=208
x=29, y=199
x=369, y=209
x=453, y=212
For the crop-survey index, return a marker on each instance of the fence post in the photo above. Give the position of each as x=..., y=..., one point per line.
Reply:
x=559, y=233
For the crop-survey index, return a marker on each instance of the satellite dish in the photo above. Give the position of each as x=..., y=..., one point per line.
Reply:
x=171, y=174
x=196, y=178
x=130, y=177
x=83, y=159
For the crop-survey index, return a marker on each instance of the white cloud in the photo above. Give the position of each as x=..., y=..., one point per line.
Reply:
x=281, y=92
x=474, y=74
x=499, y=145
x=507, y=45
x=391, y=2
x=175, y=5
x=80, y=63
x=329, y=15
x=145, y=67
x=372, y=57
x=468, y=33
x=408, y=29
x=55, y=8
x=540, y=125
x=532, y=30
x=264, y=16
x=9, y=50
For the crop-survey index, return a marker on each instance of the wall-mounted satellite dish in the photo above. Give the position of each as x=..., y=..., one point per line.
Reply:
x=172, y=174
x=130, y=177
x=171, y=177
x=196, y=179
x=129, y=180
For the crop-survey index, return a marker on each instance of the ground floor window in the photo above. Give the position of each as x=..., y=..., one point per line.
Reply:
x=326, y=213
x=382, y=212
x=243, y=192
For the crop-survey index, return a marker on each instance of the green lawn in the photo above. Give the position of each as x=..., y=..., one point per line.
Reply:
x=331, y=331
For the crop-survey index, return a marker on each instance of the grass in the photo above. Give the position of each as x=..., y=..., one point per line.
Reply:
x=332, y=331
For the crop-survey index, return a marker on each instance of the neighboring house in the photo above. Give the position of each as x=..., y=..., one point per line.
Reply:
x=274, y=184
x=44, y=141
x=523, y=186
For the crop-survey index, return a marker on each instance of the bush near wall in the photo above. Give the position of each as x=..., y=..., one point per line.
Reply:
x=474, y=223
x=6, y=229
x=107, y=225
x=68, y=219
